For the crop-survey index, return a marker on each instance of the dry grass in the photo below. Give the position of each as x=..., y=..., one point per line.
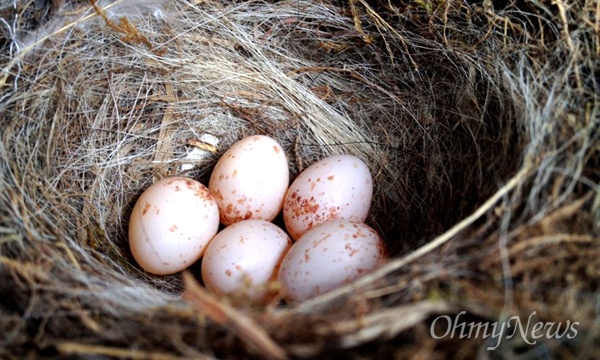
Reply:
x=479, y=123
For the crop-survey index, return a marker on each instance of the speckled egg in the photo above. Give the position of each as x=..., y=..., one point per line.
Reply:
x=337, y=187
x=330, y=255
x=171, y=224
x=244, y=258
x=250, y=180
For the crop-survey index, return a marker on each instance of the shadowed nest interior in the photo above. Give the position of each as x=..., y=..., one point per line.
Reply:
x=478, y=120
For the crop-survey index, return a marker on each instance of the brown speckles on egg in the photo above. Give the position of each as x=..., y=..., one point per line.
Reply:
x=160, y=233
x=335, y=252
x=332, y=212
x=251, y=172
x=217, y=194
x=315, y=243
x=203, y=193
x=338, y=187
x=351, y=251
x=228, y=272
x=304, y=206
x=277, y=149
x=310, y=206
x=146, y=208
x=252, y=259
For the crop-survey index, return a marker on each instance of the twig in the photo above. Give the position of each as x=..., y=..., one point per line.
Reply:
x=384, y=324
x=68, y=347
x=248, y=330
x=165, y=136
x=547, y=240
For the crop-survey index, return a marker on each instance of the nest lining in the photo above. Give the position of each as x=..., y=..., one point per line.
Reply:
x=106, y=99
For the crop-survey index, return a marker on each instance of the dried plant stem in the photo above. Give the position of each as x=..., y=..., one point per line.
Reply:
x=384, y=324
x=245, y=327
x=165, y=136
x=73, y=348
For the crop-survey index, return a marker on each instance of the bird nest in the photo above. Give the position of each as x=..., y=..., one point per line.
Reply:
x=479, y=122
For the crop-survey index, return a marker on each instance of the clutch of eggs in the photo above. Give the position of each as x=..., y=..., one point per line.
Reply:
x=175, y=222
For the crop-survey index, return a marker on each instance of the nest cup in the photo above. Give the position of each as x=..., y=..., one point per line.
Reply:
x=452, y=117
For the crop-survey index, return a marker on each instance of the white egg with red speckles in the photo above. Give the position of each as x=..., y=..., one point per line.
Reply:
x=328, y=256
x=171, y=224
x=244, y=258
x=250, y=180
x=337, y=187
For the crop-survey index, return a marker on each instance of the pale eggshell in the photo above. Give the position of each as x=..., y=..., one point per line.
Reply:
x=337, y=187
x=328, y=256
x=171, y=224
x=244, y=257
x=250, y=180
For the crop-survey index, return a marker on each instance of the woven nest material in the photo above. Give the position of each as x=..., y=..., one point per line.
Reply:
x=479, y=122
